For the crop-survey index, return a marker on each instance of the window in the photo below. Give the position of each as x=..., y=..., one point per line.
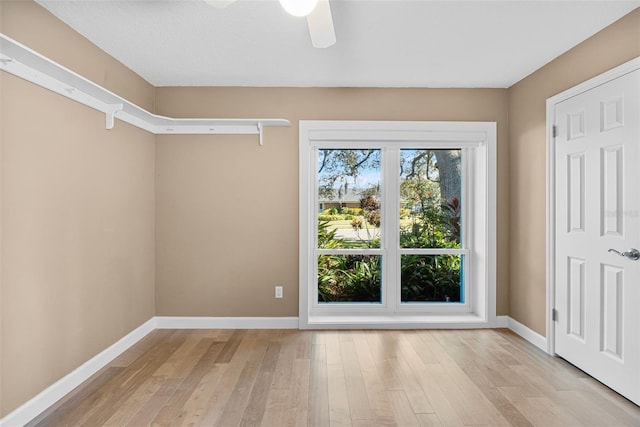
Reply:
x=406, y=226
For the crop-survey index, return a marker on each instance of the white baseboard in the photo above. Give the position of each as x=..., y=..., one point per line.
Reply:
x=171, y=322
x=45, y=399
x=34, y=407
x=528, y=334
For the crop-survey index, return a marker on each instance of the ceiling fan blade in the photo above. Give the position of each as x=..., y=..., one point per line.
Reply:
x=320, y=24
x=220, y=4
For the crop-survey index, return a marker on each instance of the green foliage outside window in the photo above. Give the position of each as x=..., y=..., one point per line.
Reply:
x=424, y=278
x=345, y=278
x=429, y=218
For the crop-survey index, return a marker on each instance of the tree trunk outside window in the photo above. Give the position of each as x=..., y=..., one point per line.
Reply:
x=450, y=173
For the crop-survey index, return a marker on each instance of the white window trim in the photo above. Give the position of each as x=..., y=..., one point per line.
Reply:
x=482, y=188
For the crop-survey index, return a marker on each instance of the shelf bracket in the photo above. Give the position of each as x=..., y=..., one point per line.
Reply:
x=260, y=133
x=111, y=113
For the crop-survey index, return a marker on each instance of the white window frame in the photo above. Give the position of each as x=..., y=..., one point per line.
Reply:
x=478, y=142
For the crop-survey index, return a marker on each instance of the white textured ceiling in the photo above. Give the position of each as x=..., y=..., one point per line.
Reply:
x=382, y=43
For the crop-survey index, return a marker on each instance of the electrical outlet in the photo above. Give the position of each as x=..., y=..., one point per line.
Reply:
x=278, y=291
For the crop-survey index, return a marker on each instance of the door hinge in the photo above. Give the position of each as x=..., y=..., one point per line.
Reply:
x=554, y=131
x=554, y=315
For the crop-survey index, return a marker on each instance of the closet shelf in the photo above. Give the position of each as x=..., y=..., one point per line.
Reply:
x=23, y=62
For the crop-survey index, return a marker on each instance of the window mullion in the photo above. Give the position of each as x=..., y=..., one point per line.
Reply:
x=391, y=201
x=466, y=215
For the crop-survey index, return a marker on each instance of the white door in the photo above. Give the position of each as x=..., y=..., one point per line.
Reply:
x=597, y=290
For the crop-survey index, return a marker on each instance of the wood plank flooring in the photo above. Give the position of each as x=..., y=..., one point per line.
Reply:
x=356, y=378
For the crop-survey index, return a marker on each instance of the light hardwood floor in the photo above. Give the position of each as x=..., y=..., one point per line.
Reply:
x=339, y=378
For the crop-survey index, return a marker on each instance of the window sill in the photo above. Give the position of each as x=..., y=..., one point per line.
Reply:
x=395, y=321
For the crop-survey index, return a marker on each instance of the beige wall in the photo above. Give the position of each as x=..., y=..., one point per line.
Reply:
x=227, y=209
x=613, y=46
x=77, y=214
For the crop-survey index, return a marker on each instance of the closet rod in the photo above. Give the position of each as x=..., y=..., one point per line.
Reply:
x=23, y=62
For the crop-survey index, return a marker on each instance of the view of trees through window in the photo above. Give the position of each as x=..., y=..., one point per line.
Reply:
x=350, y=218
